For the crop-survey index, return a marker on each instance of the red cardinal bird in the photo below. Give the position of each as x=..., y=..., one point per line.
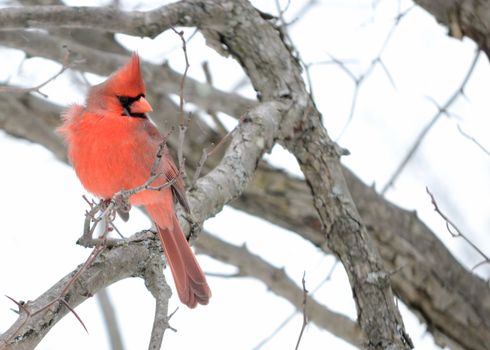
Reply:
x=112, y=145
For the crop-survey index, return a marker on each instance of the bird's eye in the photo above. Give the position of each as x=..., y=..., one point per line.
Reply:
x=124, y=100
x=127, y=100
x=126, y=103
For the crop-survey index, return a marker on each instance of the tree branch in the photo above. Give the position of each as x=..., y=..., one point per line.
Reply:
x=463, y=18
x=276, y=75
x=158, y=287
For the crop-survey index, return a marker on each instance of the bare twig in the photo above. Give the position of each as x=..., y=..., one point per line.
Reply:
x=279, y=283
x=184, y=120
x=282, y=11
x=159, y=154
x=443, y=110
x=374, y=62
x=64, y=302
x=200, y=165
x=471, y=138
x=60, y=298
x=291, y=316
x=341, y=63
x=305, y=319
x=210, y=151
x=456, y=232
x=209, y=79
x=37, y=88
x=20, y=305
x=224, y=275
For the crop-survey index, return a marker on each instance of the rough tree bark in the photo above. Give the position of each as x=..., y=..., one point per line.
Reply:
x=463, y=18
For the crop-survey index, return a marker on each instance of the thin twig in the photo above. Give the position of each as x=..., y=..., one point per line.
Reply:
x=209, y=152
x=456, y=232
x=224, y=275
x=374, y=62
x=291, y=316
x=471, y=138
x=65, y=66
x=209, y=79
x=282, y=11
x=20, y=304
x=60, y=299
x=158, y=156
x=64, y=302
x=443, y=110
x=184, y=121
x=305, y=319
x=200, y=165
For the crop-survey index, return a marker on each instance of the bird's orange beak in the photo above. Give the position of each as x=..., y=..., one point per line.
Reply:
x=141, y=106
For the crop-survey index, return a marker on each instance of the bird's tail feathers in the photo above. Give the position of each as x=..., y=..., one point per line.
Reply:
x=189, y=278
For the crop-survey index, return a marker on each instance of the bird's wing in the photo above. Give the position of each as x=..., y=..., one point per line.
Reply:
x=167, y=166
x=178, y=187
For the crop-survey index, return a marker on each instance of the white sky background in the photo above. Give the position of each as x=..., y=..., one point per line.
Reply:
x=42, y=209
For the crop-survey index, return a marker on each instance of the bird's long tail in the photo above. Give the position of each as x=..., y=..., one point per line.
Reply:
x=189, y=278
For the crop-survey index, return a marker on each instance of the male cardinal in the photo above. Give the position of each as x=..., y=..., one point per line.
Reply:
x=112, y=145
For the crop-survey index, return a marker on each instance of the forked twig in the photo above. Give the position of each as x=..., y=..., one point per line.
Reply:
x=443, y=110
x=456, y=232
x=20, y=305
x=36, y=88
x=305, y=319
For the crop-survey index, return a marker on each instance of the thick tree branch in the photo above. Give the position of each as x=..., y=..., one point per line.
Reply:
x=275, y=74
x=150, y=23
x=33, y=119
x=259, y=128
x=463, y=18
